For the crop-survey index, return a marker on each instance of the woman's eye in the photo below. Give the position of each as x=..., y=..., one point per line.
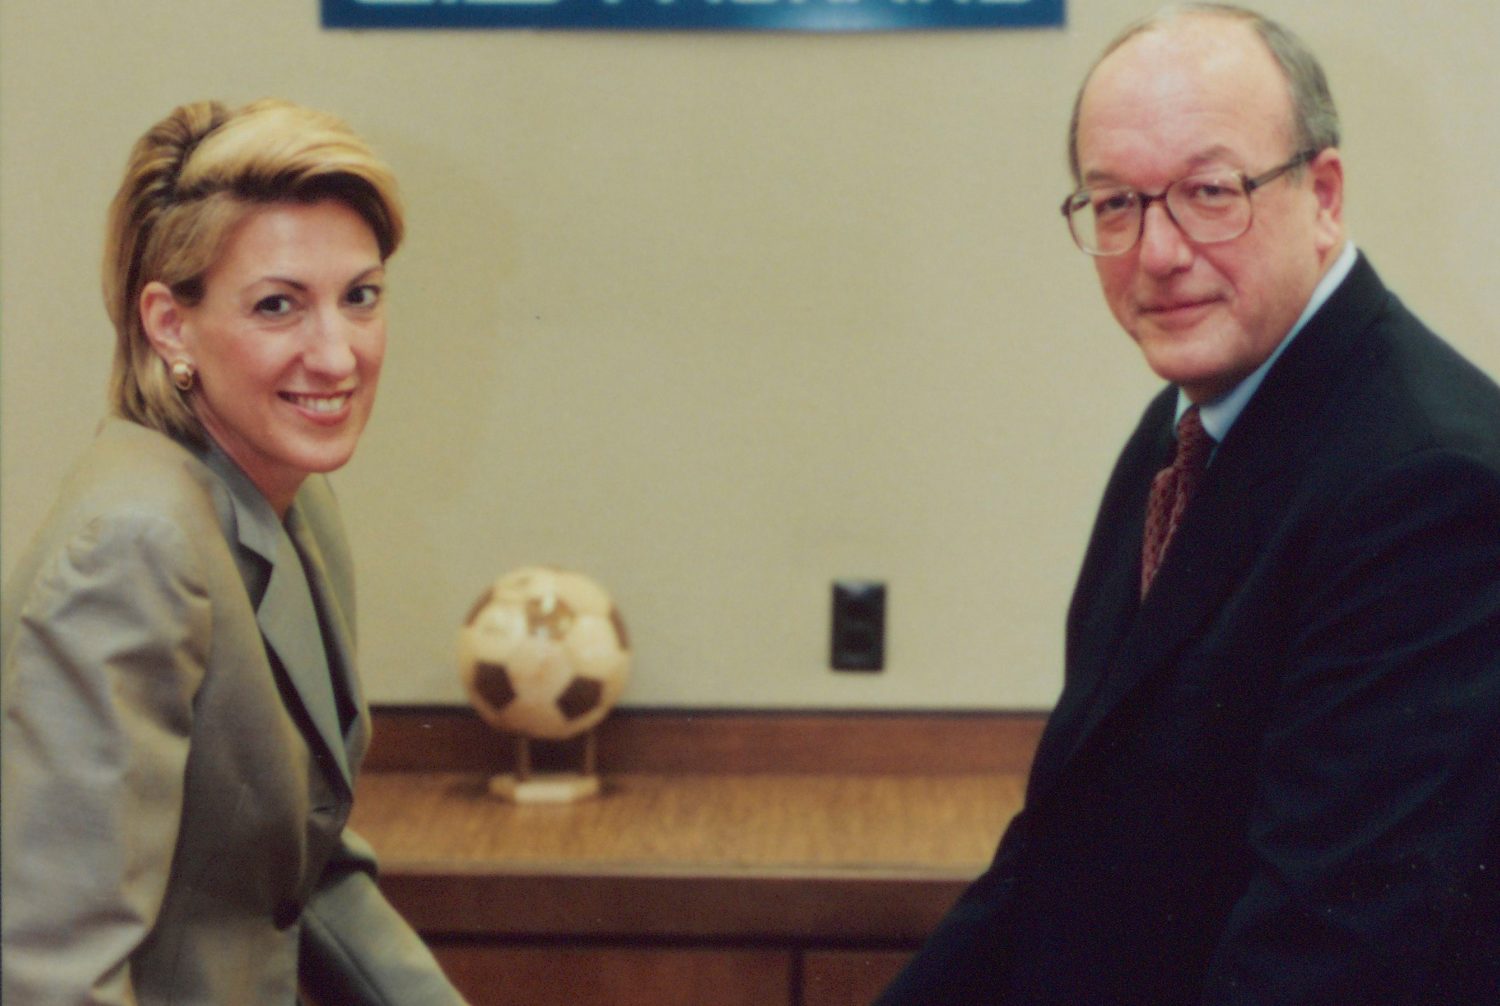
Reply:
x=365, y=296
x=274, y=306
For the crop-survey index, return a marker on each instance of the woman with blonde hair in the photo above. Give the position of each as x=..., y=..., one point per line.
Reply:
x=182, y=720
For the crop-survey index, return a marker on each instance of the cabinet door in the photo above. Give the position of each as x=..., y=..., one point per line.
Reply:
x=614, y=975
x=848, y=977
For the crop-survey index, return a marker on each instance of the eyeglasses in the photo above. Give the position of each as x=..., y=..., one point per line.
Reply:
x=1207, y=208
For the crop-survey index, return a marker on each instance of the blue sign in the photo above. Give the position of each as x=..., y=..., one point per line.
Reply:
x=726, y=15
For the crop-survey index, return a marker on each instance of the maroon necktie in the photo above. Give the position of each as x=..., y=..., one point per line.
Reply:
x=1171, y=490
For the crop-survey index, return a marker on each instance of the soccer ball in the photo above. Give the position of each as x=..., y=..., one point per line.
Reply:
x=544, y=653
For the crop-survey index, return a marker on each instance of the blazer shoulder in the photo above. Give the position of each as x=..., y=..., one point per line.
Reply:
x=131, y=468
x=1409, y=392
x=1365, y=385
x=129, y=480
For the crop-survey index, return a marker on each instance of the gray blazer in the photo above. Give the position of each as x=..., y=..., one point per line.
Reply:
x=179, y=748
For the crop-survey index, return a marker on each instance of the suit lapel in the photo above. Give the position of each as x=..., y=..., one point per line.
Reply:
x=285, y=609
x=336, y=633
x=290, y=623
x=1107, y=595
x=1218, y=539
x=1116, y=641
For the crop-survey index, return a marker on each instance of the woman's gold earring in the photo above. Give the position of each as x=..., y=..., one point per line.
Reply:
x=183, y=375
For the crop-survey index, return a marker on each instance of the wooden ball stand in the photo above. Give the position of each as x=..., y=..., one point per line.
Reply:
x=527, y=786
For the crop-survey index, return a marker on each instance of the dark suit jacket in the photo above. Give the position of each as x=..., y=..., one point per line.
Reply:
x=179, y=746
x=1277, y=779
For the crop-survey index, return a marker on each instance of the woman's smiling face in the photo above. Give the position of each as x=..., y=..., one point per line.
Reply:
x=287, y=342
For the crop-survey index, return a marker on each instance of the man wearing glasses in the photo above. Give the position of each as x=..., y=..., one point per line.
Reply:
x=1273, y=776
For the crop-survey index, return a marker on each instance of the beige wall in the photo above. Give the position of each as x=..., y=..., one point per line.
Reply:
x=715, y=318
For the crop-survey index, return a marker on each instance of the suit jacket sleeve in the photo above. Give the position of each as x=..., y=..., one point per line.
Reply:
x=110, y=646
x=1380, y=776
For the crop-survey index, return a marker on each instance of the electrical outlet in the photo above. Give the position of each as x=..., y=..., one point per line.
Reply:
x=858, y=637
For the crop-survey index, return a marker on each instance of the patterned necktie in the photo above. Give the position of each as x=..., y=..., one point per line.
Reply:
x=1171, y=490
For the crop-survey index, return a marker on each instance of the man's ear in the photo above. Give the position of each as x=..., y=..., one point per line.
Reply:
x=1328, y=188
x=162, y=320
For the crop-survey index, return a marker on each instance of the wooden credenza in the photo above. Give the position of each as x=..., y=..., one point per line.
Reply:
x=734, y=859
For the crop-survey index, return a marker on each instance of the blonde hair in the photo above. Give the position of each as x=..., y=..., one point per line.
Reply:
x=190, y=180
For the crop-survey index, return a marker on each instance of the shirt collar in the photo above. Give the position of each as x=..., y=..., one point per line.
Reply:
x=1219, y=415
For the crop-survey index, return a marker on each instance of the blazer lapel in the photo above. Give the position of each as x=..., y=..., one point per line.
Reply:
x=1218, y=539
x=1107, y=595
x=337, y=636
x=289, y=622
x=284, y=607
